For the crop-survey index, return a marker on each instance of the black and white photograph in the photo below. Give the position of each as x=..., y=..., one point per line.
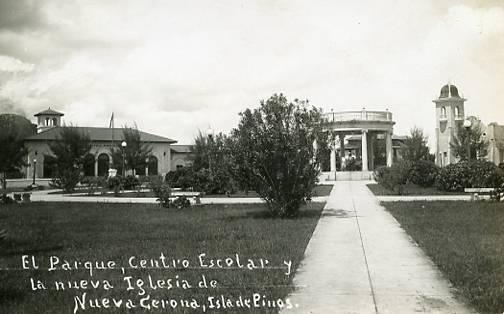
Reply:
x=252, y=156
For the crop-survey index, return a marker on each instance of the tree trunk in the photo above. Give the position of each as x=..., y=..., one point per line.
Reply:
x=4, y=182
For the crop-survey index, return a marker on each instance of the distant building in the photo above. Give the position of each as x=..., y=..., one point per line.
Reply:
x=450, y=114
x=364, y=140
x=495, y=137
x=48, y=119
x=99, y=159
x=181, y=156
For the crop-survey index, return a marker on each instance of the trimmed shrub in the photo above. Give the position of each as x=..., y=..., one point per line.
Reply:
x=5, y=199
x=469, y=174
x=163, y=193
x=379, y=173
x=67, y=179
x=183, y=178
x=353, y=164
x=115, y=183
x=130, y=182
x=423, y=173
x=94, y=184
x=181, y=202
x=394, y=178
x=217, y=181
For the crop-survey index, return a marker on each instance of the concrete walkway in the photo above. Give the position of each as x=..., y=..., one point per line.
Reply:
x=360, y=260
x=428, y=198
x=45, y=196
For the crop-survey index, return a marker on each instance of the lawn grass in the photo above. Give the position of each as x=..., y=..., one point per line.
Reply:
x=465, y=240
x=409, y=189
x=319, y=190
x=102, y=232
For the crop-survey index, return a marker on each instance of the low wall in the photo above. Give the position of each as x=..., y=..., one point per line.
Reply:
x=346, y=176
x=22, y=183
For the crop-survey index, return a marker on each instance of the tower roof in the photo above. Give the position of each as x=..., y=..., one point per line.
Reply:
x=448, y=91
x=49, y=112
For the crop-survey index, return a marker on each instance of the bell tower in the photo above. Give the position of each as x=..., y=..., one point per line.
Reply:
x=48, y=119
x=449, y=114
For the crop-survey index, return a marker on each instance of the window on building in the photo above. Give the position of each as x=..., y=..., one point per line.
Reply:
x=457, y=111
x=103, y=165
x=443, y=112
x=153, y=165
x=49, y=167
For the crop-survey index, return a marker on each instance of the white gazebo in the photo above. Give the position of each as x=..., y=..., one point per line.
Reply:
x=352, y=126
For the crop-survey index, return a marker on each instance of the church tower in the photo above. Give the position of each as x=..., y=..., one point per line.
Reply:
x=449, y=114
x=48, y=119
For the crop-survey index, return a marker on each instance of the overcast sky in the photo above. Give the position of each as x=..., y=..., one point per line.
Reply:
x=174, y=67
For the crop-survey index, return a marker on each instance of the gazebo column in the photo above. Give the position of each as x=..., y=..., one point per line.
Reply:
x=342, y=145
x=388, y=147
x=364, y=151
x=342, y=149
x=371, y=140
x=333, y=159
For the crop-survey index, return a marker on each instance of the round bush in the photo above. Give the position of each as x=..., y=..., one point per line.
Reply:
x=423, y=173
x=395, y=177
x=379, y=173
x=472, y=174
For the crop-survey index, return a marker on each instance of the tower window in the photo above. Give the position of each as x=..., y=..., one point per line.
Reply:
x=443, y=112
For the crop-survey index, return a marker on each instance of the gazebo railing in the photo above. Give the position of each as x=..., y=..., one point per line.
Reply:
x=362, y=115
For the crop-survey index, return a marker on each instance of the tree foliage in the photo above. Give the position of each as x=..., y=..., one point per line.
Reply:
x=69, y=149
x=415, y=146
x=13, y=130
x=471, y=138
x=136, y=152
x=212, y=166
x=274, y=152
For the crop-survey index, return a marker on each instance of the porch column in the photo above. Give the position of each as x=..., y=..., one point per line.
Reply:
x=388, y=147
x=333, y=159
x=28, y=167
x=96, y=166
x=364, y=150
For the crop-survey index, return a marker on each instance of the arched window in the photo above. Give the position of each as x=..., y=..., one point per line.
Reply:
x=443, y=112
x=88, y=165
x=153, y=165
x=49, y=167
x=103, y=164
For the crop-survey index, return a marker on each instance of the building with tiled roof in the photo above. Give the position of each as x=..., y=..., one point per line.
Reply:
x=99, y=160
x=181, y=155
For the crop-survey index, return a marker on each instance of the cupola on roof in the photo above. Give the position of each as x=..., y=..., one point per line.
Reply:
x=49, y=112
x=448, y=91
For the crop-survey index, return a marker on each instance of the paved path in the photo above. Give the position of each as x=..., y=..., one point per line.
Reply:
x=44, y=196
x=412, y=198
x=360, y=260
